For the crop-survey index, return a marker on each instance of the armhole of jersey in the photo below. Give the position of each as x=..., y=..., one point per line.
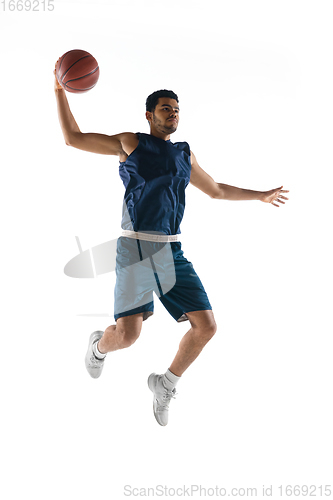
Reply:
x=187, y=148
x=138, y=134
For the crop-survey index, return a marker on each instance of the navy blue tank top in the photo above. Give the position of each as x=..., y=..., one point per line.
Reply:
x=155, y=176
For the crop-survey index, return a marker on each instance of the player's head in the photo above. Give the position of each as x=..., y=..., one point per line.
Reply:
x=162, y=111
x=153, y=98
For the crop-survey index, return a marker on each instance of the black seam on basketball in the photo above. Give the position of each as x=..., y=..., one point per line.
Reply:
x=61, y=61
x=83, y=57
x=79, y=90
x=80, y=77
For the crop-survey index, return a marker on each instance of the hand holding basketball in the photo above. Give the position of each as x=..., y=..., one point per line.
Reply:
x=76, y=71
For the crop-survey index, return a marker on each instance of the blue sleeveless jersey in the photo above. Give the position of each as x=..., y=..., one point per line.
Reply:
x=155, y=176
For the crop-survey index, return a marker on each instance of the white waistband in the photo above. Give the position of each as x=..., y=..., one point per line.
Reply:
x=150, y=237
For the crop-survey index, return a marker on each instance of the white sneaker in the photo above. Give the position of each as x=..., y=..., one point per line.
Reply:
x=94, y=365
x=162, y=398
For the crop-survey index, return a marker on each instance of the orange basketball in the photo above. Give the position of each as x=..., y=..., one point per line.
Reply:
x=77, y=71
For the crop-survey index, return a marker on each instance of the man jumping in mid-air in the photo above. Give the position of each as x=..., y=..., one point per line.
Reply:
x=155, y=173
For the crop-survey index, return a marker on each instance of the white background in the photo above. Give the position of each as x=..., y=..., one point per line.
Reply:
x=254, y=79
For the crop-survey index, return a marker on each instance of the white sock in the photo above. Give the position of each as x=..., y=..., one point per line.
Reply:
x=96, y=351
x=170, y=380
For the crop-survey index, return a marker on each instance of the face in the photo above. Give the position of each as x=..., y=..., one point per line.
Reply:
x=165, y=117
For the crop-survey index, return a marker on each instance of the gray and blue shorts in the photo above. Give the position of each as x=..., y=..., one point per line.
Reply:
x=144, y=267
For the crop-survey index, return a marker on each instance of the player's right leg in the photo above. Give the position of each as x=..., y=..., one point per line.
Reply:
x=126, y=331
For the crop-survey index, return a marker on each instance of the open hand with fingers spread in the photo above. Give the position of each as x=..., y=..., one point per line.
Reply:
x=274, y=195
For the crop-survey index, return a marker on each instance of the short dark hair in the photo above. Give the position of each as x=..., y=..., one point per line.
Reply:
x=153, y=98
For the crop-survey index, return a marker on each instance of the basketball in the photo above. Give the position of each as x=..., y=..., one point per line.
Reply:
x=77, y=71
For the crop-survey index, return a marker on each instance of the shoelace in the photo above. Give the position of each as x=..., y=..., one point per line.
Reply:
x=95, y=360
x=166, y=398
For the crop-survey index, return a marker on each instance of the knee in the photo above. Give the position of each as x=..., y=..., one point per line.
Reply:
x=209, y=331
x=212, y=329
x=127, y=338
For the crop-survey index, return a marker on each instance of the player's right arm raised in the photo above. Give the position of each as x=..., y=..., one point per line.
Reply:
x=95, y=143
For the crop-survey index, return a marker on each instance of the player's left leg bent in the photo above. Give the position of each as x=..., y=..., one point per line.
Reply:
x=163, y=386
x=187, y=300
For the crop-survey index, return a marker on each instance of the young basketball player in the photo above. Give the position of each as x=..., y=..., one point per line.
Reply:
x=155, y=173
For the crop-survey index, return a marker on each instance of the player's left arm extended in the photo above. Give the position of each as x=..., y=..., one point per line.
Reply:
x=204, y=182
